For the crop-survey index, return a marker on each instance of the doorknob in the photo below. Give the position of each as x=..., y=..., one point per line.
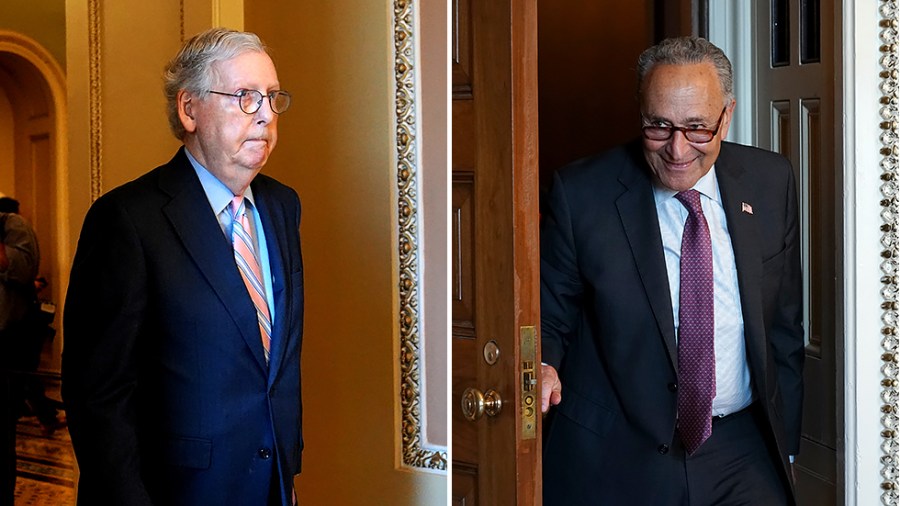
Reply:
x=475, y=403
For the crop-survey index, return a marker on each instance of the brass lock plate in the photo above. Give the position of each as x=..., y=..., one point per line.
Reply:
x=527, y=355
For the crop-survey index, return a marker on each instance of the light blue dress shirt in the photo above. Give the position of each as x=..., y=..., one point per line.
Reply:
x=733, y=392
x=220, y=197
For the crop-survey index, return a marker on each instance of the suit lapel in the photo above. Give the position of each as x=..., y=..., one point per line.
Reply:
x=202, y=237
x=736, y=191
x=273, y=221
x=637, y=210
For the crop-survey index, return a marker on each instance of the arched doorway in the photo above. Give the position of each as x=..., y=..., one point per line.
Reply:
x=33, y=159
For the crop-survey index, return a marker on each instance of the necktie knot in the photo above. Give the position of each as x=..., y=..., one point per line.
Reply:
x=691, y=200
x=237, y=207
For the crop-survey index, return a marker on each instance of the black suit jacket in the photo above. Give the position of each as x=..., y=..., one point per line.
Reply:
x=167, y=392
x=607, y=322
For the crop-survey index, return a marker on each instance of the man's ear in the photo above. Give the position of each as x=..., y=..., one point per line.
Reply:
x=726, y=121
x=185, y=111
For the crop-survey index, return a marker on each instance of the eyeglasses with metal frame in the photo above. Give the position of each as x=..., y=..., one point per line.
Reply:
x=251, y=100
x=694, y=135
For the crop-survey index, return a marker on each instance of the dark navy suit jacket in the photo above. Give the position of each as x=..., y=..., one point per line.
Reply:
x=168, y=396
x=607, y=323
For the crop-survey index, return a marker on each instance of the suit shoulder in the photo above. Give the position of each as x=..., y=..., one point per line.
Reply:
x=14, y=220
x=758, y=158
x=276, y=189
x=604, y=167
x=604, y=176
x=764, y=175
x=149, y=193
x=130, y=194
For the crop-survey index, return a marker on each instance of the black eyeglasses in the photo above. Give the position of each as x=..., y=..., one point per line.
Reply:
x=695, y=135
x=251, y=100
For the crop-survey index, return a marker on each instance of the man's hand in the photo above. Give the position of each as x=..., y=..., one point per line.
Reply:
x=551, y=388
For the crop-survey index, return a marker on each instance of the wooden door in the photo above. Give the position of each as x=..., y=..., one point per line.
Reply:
x=495, y=286
x=795, y=98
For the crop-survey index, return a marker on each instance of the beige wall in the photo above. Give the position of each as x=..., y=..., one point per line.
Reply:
x=42, y=20
x=434, y=205
x=136, y=135
x=335, y=148
x=133, y=133
x=7, y=159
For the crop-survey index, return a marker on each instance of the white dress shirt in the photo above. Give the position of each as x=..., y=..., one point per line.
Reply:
x=219, y=197
x=733, y=392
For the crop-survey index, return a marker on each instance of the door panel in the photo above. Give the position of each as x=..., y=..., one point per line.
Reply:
x=494, y=215
x=796, y=97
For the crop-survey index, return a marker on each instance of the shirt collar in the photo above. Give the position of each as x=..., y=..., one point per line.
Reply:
x=217, y=193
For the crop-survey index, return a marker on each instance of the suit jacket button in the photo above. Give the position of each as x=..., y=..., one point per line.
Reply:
x=673, y=387
x=663, y=449
x=264, y=453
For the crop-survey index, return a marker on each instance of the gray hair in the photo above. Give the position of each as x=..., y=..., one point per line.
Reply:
x=686, y=51
x=192, y=68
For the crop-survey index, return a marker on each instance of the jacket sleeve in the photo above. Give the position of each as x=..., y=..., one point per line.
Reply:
x=561, y=285
x=21, y=250
x=786, y=337
x=105, y=309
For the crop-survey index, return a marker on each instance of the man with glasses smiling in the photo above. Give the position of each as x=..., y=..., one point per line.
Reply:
x=671, y=304
x=184, y=315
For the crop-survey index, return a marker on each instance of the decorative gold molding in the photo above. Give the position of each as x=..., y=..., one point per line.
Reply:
x=96, y=141
x=890, y=255
x=32, y=51
x=414, y=453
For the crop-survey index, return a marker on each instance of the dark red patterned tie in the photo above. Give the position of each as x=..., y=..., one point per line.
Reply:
x=696, y=350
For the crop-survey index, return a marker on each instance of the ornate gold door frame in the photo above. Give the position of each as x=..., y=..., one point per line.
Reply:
x=414, y=450
x=890, y=255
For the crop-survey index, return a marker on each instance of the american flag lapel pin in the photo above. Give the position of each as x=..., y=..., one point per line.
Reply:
x=746, y=208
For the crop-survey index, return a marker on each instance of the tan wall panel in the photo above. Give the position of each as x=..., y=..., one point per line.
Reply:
x=78, y=102
x=136, y=135
x=435, y=172
x=336, y=148
x=132, y=135
x=202, y=14
x=42, y=20
x=6, y=145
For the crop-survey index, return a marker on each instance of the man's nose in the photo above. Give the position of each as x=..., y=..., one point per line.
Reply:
x=678, y=146
x=265, y=112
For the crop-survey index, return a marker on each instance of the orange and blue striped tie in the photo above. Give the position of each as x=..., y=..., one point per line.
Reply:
x=248, y=264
